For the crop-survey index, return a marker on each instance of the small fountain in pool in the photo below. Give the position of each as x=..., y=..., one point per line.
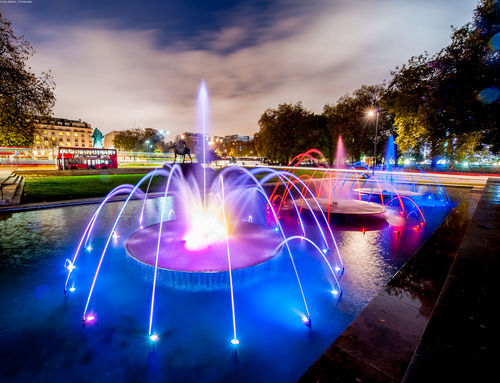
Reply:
x=340, y=154
x=329, y=186
x=211, y=227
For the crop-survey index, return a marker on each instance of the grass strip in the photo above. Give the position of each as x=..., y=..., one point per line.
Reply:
x=49, y=189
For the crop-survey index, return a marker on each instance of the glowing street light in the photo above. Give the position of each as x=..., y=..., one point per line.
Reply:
x=374, y=113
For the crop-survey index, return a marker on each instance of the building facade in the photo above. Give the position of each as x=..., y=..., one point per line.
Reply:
x=109, y=138
x=55, y=132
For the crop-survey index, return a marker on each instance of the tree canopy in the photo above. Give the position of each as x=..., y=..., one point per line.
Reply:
x=139, y=140
x=449, y=101
x=291, y=129
x=446, y=103
x=23, y=95
x=287, y=130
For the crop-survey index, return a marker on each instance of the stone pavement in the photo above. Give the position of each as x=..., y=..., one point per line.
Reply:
x=435, y=319
x=459, y=343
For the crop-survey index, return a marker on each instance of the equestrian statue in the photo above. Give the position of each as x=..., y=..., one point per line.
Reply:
x=181, y=149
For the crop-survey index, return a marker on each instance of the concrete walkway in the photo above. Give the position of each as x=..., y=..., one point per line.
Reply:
x=459, y=342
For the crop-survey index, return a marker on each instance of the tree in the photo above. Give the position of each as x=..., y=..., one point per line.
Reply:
x=283, y=132
x=137, y=139
x=348, y=118
x=440, y=100
x=23, y=96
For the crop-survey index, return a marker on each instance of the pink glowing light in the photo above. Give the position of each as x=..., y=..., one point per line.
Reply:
x=205, y=229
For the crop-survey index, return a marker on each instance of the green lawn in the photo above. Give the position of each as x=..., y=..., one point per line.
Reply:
x=47, y=189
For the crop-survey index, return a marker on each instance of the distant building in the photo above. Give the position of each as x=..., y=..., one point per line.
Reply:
x=237, y=137
x=109, y=138
x=54, y=132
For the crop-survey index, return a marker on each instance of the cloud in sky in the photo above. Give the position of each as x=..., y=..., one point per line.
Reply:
x=117, y=78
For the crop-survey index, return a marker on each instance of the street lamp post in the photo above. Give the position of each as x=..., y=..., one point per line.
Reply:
x=372, y=113
x=147, y=145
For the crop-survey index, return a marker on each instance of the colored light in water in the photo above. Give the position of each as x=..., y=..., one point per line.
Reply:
x=89, y=318
x=89, y=248
x=115, y=235
x=337, y=269
x=72, y=289
x=250, y=219
x=335, y=292
x=154, y=337
x=235, y=341
x=325, y=251
x=306, y=320
x=205, y=229
x=276, y=229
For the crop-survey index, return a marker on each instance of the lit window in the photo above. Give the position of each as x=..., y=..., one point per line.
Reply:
x=67, y=133
x=75, y=134
x=60, y=133
x=53, y=138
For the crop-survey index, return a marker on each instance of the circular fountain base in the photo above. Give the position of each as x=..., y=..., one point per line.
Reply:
x=344, y=206
x=388, y=193
x=249, y=245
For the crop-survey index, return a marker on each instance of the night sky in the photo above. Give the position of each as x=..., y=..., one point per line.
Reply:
x=123, y=64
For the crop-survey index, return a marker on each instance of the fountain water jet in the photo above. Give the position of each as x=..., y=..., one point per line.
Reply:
x=340, y=154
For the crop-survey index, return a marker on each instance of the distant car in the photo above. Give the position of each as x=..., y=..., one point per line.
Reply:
x=251, y=161
x=223, y=162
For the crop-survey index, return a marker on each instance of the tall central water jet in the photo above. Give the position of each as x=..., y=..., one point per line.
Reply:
x=203, y=119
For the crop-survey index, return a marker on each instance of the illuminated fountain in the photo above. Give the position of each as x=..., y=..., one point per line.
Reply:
x=357, y=194
x=213, y=229
x=332, y=187
x=392, y=183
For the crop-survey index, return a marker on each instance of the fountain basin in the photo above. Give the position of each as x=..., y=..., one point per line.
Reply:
x=344, y=206
x=388, y=193
x=249, y=245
